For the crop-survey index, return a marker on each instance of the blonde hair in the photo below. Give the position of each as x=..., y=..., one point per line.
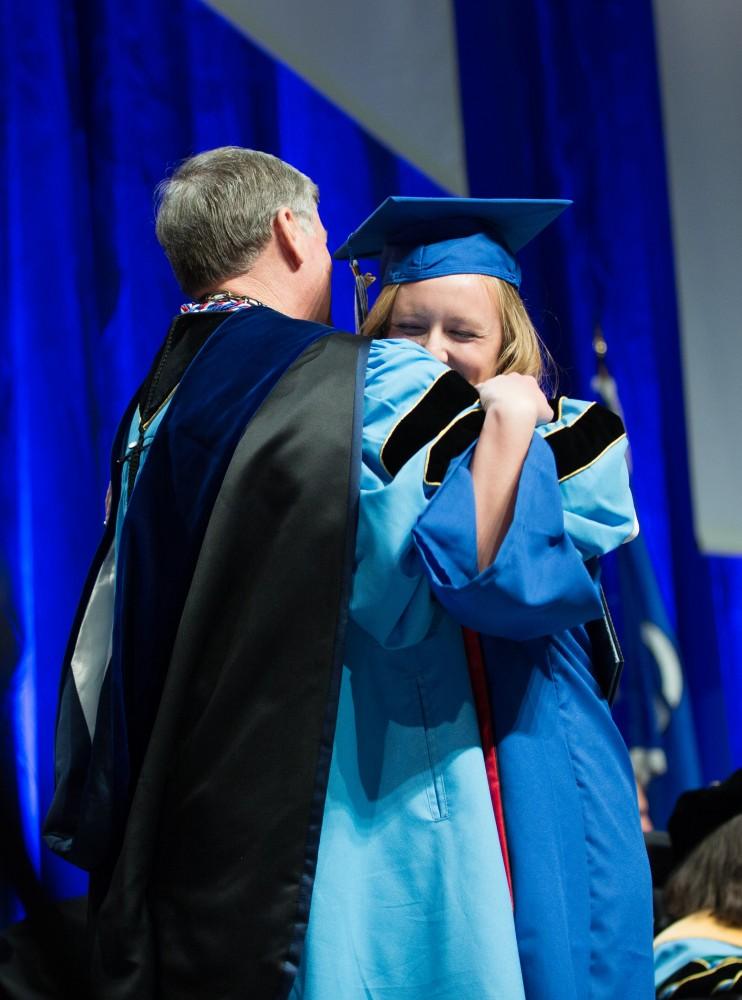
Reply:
x=522, y=349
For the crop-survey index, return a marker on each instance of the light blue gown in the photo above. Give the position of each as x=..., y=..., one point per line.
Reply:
x=410, y=898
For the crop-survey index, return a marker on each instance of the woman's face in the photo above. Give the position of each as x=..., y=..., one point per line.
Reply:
x=455, y=318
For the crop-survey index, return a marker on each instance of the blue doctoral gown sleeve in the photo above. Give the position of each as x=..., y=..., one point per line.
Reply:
x=391, y=597
x=538, y=584
x=598, y=507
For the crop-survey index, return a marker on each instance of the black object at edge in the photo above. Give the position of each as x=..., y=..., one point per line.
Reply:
x=607, y=656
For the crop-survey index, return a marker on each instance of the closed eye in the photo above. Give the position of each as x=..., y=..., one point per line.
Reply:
x=410, y=329
x=463, y=335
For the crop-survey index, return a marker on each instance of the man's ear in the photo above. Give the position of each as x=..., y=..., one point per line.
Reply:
x=288, y=232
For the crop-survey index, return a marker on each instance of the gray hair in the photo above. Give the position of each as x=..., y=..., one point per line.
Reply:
x=215, y=213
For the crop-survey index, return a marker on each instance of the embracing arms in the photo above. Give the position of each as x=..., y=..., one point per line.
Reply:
x=421, y=513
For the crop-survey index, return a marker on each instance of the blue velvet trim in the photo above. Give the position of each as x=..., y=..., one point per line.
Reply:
x=160, y=542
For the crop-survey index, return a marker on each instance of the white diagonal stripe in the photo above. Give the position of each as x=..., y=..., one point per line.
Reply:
x=392, y=65
x=701, y=75
x=93, y=647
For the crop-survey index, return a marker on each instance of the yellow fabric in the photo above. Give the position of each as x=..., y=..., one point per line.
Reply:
x=700, y=925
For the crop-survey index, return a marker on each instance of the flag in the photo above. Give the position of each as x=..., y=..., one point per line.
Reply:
x=653, y=710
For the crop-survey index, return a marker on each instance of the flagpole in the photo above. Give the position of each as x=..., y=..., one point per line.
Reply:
x=656, y=707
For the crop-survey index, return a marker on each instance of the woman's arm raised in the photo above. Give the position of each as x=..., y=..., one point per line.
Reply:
x=513, y=406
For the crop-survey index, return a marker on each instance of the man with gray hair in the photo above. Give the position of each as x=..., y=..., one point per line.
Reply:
x=241, y=221
x=199, y=687
x=259, y=657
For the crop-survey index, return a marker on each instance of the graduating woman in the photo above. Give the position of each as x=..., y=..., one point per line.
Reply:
x=457, y=433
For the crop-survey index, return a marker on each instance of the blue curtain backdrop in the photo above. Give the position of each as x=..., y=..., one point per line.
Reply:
x=98, y=100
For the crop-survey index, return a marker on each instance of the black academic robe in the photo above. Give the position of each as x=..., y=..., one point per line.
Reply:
x=196, y=800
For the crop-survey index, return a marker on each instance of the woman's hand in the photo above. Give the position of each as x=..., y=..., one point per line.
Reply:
x=515, y=395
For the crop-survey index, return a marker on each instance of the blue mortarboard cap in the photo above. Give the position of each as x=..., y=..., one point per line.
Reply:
x=421, y=238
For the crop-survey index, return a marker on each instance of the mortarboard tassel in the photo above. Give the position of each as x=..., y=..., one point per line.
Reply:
x=360, y=298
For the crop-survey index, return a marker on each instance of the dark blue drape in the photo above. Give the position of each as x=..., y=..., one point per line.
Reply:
x=99, y=99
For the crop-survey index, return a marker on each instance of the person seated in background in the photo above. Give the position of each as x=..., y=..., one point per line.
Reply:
x=580, y=880
x=700, y=953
